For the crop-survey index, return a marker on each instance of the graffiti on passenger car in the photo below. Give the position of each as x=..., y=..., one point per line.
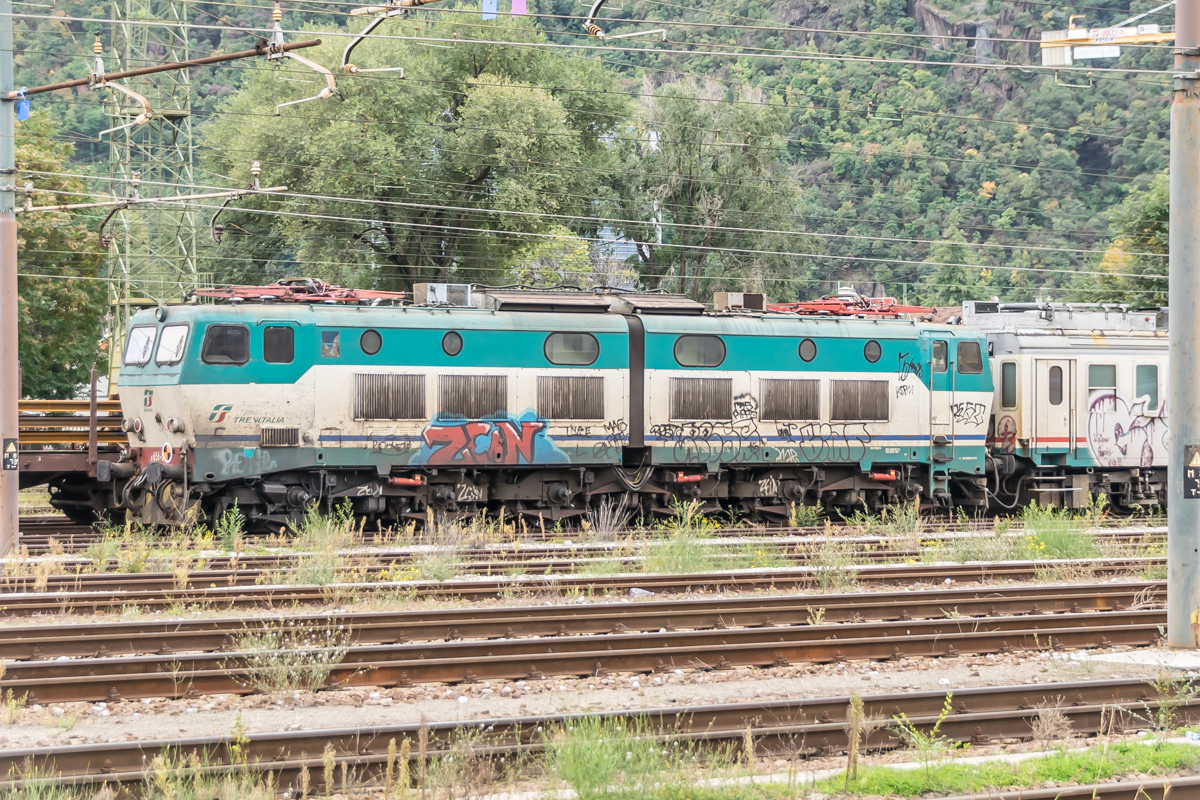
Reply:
x=1124, y=434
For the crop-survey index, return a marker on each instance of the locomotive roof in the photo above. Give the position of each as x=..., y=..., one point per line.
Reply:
x=354, y=316
x=359, y=316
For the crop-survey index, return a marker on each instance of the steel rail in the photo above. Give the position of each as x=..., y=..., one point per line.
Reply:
x=115, y=595
x=39, y=642
x=404, y=664
x=800, y=727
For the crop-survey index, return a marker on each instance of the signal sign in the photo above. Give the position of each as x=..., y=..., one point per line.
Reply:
x=10, y=455
x=1191, y=472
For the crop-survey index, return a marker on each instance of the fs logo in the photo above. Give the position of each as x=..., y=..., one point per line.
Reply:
x=147, y=398
x=219, y=413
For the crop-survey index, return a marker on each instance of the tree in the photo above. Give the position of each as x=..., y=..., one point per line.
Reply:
x=1137, y=253
x=459, y=161
x=708, y=165
x=60, y=304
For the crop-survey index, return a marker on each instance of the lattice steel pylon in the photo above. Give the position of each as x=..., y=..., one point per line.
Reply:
x=152, y=252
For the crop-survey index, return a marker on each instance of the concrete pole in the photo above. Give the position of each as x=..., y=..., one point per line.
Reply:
x=1183, y=501
x=10, y=371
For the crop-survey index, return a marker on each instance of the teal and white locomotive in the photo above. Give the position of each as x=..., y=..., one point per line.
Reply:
x=547, y=404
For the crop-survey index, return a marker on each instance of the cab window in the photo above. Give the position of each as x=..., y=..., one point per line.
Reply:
x=1147, y=384
x=331, y=344
x=170, y=344
x=140, y=345
x=279, y=344
x=226, y=344
x=940, y=356
x=970, y=358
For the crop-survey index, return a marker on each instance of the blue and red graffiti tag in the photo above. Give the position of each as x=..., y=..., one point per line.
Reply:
x=484, y=442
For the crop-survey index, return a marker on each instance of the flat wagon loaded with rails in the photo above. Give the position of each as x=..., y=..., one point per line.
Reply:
x=549, y=403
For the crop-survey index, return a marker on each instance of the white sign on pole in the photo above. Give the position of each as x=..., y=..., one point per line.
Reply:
x=1097, y=51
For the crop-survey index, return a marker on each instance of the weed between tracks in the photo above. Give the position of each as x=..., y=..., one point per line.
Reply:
x=286, y=657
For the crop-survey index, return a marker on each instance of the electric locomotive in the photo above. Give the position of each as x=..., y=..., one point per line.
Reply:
x=543, y=404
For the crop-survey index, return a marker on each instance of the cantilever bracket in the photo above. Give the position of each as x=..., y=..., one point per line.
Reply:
x=275, y=52
x=96, y=81
x=589, y=23
x=215, y=230
x=350, y=68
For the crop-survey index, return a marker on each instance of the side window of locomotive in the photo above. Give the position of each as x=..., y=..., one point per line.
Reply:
x=140, y=345
x=940, y=359
x=226, y=344
x=970, y=358
x=1102, y=376
x=279, y=344
x=1056, y=386
x=699, y=351
x=1008, y=384
x=331, y=344
x=1147, y=384
x=571, y=349
x=170, y=344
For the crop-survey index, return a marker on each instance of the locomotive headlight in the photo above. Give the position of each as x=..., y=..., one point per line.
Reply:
x=136, y=426
x=127, y=424
x=175, y=425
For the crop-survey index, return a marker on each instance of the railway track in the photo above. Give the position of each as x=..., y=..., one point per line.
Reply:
x=41, y=642
x=403, y=663
x=797, y=728
x=229, y=589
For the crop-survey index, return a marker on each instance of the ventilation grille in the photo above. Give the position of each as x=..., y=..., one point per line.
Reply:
x=570, y=397
x=278, y=437
x=702, y=398
x=859, y=401
x=472, y=396
x=389, y=396
x=790, y=399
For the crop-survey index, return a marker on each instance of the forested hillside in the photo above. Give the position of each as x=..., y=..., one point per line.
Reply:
x=758, y=170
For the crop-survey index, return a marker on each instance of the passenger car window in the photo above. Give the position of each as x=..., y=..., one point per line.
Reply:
x=170, y=344
x=872, y=351
x=140, y=345
x=1008, y=384
x=575, y=349
x=226, y=344
x=370, y=342
x=1056, y=386
x=970, y=358
x=940, y=360
x=1102, y=376
x=331, y=344
x=808, y=350
x=699, y=351
x=279, y=344
x=1147, y=384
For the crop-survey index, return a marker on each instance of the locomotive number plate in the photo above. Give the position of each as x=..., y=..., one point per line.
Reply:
x=1191, y=472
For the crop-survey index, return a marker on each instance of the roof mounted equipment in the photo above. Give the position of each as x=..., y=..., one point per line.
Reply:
x=301, y=290
x=849, y=303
